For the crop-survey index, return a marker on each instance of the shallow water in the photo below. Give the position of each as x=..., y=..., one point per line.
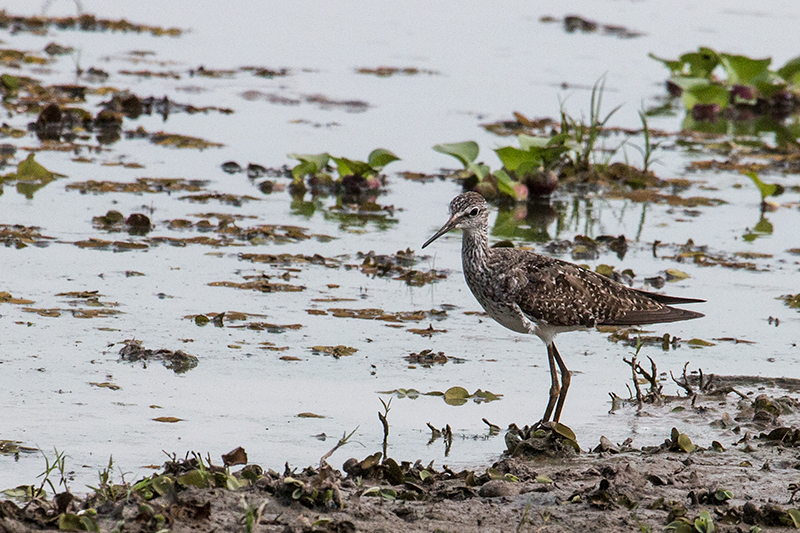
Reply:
x=486, y=63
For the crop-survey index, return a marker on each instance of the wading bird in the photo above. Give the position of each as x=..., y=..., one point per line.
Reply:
x=532, y=293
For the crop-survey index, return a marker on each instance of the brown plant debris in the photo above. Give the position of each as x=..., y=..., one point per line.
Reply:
x=141, y=185
x=177, y=361
x=262, y=285
x=378, y=314
x=84, y=22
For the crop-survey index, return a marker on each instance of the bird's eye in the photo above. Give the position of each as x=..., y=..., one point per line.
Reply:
x=473, y=212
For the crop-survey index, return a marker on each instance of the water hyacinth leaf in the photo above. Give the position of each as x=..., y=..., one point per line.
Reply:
x=479, y=169
x=743, y=70
x=791, y=71
x=163, y=485
x=494, y=473
x=673, y=274
x=704, y=523
x=681, y=526
x=505, y=184
x=456, y=396
x=763, y=226
x=700, y=342
x=685, y=443
x=794, y=514
x=466, y=152
x=454, y=393
x=486, y=395
x=193, y=478
x=380, y=157
x=722, y=495
x=350, y=167
x=564, y=431
x=701, y=63
x=766, y=189
x=519, y=161
x=29, y=169
x=706, y=94
x=526, y=142
x=675, y=66
x=310, y=164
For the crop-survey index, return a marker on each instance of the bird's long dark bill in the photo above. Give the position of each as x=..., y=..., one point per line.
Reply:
x=450, y=224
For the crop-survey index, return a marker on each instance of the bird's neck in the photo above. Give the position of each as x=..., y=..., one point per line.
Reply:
x=474, y=249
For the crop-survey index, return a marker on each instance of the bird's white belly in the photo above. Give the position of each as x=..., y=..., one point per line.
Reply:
x=510, y=317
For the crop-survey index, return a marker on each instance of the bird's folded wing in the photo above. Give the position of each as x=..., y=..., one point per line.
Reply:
x=562, y=294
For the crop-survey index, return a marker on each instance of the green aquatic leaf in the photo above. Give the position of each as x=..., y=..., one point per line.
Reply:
x=194, y=478
x=505, y=184
x=466, y=152
x=764, y=226
x=705, y=94
x=789, y=72
x=456, y=393
x=685, y=443
x=674, y=65
x=766, y=189
x=704, y=523
x=681, y=525
x=380, y=157
x=30, y=170
x=743, y=70
x=310, y=164
x=521, y=162
x=526, y=142
x=479, y=169
x=352, y=167
x=700, y=342
x=701, y=63
x=794, y=514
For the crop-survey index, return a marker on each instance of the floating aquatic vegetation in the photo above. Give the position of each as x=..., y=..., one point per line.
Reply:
x=378, y=314
x=15, y=58
x=30, y=176
x=427, y=358
x=385, y=72
x=261, y=285
x=224, y=198
x=7, y=298
x=355, y=177
x=577, y=23
x=399, y=266
x=700, y=255
x=289, y=259
x=336, y=351
x=105, y=385
x=171, y=140
x=792, y=300
x=177, y=361
x=453, y=396
x=719, y=87
x=553, y=440
x=426, y=332
x=83, y=22
x=148, y=185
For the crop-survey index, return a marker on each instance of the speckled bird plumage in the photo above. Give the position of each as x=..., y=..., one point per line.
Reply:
x=532, y=293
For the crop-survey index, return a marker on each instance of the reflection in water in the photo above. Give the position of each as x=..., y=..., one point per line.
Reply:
x=541, y=220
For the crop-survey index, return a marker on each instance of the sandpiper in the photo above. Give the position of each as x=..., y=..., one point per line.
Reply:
x=532, y=293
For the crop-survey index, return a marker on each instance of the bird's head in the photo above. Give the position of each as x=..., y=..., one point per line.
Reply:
x=468, y=211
